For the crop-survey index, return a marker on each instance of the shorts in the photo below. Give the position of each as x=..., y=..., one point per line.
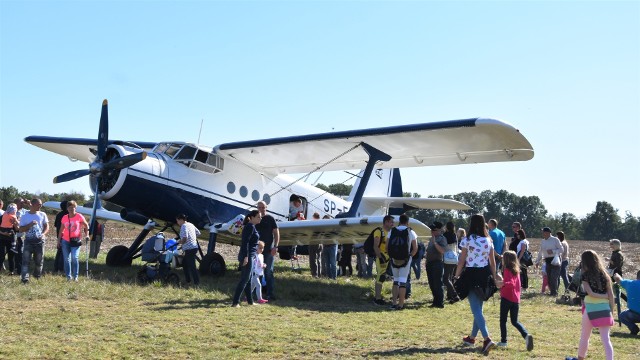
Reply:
x=401, y=274
x=381, y=270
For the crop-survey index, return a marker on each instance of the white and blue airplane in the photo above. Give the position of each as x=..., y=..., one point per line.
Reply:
x=214, y=186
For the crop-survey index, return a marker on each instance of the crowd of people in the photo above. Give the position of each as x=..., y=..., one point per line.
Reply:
x=470, y=264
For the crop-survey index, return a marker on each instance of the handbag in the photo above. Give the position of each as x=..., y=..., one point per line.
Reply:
x=451, y=256
x=556, y=260
x=527, y=259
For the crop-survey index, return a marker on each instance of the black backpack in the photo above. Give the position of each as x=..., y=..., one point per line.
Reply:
x=368, y=244
x=398, y=245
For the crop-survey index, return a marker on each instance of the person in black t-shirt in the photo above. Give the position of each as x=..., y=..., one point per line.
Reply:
x=270, y=235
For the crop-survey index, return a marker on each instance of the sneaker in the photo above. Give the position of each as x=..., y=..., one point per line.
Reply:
x=393, y=306
x=529, y=341
x=635, y=331
x=487, y=345
x=502, y=344
x=469, y=341
x=25, y=281
x=263, y=301
x=236, y=305
x=570, y=358
x=75, y=279
x=399, y=308
x=436, y=306
x=379, y=302
x=454, y=300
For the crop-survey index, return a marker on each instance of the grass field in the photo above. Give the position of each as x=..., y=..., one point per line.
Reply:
x=109, y=315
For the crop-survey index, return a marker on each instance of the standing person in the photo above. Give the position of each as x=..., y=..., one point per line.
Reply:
x=73, y=228
x=270, y=235
x=460, y=234
x=402, y=245
x=514, y=240
x=617, y=258
x=565, y=261
x=315, y=254
x=597, y=305
x=522, y=245
x=631, y=316
x=22, y=205
x=451, y=262
x=417, y=259
x=549, y=248
x=9, y=226
x=246, y=256
x=435, y=265
x=345, y=259
x=478, y=260
x=258, y=272
x=382, y=256
x=189, y=239
x=36, y=226
x=58, y=262
x=498, y=238
x=510, y=300
x=330, y=257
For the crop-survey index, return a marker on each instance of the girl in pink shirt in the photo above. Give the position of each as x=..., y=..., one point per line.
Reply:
x=510, y=299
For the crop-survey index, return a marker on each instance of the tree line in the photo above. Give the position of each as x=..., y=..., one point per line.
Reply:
x=603, y=223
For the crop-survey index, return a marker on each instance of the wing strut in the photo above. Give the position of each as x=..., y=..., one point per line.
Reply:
x=375, y=155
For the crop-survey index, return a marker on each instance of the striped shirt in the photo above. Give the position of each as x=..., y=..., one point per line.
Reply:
x=190, y=232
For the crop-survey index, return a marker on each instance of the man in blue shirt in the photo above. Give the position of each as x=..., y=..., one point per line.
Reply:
x=631, y=316
x=498, y=237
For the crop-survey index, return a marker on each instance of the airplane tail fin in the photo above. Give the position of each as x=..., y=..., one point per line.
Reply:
x=382, y=183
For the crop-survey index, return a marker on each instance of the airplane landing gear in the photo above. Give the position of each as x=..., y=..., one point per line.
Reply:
x=213, y=264
x=117, y=256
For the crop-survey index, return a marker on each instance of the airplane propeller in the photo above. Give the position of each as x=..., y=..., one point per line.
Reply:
x=102, y=165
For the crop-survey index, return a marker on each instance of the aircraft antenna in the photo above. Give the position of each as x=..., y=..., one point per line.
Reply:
x=200, y=133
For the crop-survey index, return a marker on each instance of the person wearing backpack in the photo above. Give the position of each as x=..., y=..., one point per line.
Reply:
x=402, y=245
x=379, y=248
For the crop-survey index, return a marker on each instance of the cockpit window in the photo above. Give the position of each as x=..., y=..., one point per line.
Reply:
x=186, y=153
x=172, y=150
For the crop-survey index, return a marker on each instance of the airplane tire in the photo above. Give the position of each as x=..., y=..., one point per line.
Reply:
x=115, y=256
x=213, y=264
x=172, y=280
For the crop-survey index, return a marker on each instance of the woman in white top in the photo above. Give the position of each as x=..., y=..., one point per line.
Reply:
x=523, y=245
x=478, y=260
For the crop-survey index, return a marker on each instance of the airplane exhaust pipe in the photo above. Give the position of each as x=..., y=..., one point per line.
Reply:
x=133, y=216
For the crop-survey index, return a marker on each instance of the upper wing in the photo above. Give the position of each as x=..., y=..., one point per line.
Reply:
x=77, y=148
x=467, y=141
x=325, y=231
x=415, y=203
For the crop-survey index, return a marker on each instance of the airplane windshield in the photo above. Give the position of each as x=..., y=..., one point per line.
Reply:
x=196, y=159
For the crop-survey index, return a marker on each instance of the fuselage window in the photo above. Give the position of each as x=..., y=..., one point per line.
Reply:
x=187, y=153
x=172, y=150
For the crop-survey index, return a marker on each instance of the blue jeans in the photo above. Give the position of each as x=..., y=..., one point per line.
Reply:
x=507, y=307
x=245, y=283
x=475, y=302
x=630, y=319
x=37, y=251
x=329, y=256
x=189, y=266
x=370, y=261
x=435, y=270
x=268, y=273
x=563, y=274
x=71, y=265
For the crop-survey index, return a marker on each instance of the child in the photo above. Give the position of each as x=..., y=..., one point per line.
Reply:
x=545, y=278
x=597, y=305
x=617, y=259
x=258, y=272
x=510, y=299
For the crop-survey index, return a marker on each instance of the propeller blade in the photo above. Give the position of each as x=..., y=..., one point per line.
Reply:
x=71, y=176
x=96, y=202
x=103, y=132
x=126, y=161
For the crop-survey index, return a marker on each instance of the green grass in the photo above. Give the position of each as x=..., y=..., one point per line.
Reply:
x=110, y=316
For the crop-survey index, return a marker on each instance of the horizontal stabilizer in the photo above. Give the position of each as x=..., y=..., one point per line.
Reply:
x=415, y=203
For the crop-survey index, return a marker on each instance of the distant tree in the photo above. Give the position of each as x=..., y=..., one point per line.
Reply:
x=629, y=230
x=336, y=189
x=568, y=223
x=409, y=194
x=323, y=187
x=8, y=194
x=602, y=223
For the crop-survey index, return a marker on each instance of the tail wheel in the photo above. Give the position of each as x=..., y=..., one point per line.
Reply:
x=213, y=264
x=172, y=280
x=116, y=256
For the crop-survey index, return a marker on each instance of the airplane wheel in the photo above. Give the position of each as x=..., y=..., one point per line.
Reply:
x=213, y=264
x=115, y=256
x=172, y=280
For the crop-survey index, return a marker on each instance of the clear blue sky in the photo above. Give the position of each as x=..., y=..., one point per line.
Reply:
x=567, y=74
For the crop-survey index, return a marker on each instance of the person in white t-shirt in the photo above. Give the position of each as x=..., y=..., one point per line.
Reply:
x=523, y=245
x=35, y=225
x=399, y=269
x=258, y=272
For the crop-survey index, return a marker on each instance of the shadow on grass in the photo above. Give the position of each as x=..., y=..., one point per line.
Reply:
x=409, y=351
x=625, y=334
